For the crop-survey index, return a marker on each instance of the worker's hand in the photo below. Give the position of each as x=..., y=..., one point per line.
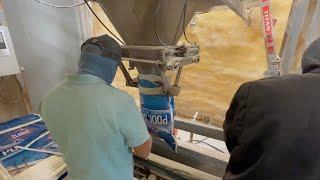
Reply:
x=143, y=150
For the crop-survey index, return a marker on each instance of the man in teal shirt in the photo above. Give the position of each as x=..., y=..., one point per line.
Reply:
x=96, y=126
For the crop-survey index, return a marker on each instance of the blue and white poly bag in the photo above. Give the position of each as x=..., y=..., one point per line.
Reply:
x=20, y=134
x=157, y=109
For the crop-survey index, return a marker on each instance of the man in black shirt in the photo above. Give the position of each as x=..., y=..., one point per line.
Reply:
x=272, y=128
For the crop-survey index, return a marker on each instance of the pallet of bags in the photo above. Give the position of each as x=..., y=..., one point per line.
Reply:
x=25, y=141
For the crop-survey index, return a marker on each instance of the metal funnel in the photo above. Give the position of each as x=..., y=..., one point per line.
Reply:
x=138, y=20
x=151, y=23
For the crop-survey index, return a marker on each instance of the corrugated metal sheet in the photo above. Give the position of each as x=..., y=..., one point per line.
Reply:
x=302, y=29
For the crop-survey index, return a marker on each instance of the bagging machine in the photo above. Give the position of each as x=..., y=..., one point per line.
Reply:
x=150, y=31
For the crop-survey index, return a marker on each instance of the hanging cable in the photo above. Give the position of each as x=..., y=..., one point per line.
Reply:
x=122, y=67
x=155, y=23
x=60, y=6
x=86, y=2
x=211, y=146
x=184, y=23
x=178, y=27
x=79, y=4
x=4, y=99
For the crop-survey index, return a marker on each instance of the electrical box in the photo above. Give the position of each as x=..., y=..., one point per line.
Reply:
x=8, y=60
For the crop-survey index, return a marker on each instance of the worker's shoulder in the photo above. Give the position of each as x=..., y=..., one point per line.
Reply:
x=279, y=79
x=269, y=82
x=117, y=93
x=50, y=98
x=54, y=91
x=245, y=87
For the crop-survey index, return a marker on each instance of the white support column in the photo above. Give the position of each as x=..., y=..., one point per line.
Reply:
x=85, y=21
x=47, y=41
x=302, y=29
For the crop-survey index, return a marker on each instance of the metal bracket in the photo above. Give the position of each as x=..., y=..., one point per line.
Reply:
x=170, y=58
x=129, y=81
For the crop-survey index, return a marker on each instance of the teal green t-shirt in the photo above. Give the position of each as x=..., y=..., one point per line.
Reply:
x=95, y=127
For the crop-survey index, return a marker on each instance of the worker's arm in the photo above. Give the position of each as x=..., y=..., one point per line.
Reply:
x=144, y=149
x=242, y=151
x=234, y=123
x=134, y=129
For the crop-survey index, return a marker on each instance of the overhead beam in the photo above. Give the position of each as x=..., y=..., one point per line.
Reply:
x=201, y=129
x=203, y=159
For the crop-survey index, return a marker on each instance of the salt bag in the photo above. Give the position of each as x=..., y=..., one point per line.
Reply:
x=157, y=109
x=27, y=132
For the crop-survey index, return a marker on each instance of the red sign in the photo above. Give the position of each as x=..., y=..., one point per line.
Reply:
x=268, y=27
x=267, y=20
x=20, y=134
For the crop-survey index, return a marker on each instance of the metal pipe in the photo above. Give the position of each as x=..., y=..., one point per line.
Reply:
x=199, y=128
x=141, y=60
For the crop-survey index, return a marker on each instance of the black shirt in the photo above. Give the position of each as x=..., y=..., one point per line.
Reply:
x=272, y=129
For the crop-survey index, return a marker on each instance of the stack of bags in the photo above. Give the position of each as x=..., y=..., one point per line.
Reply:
x=24, y=142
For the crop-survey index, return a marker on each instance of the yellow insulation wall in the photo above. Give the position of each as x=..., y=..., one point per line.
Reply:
x=231, y=54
